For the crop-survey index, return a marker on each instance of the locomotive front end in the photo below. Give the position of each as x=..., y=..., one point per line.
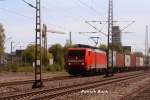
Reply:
x=75, y=62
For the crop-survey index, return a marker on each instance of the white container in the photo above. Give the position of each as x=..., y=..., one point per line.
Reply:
x=127, y=60
x=114, y=58
x=141, y=61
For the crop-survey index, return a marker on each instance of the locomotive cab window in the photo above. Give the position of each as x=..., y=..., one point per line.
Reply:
x=74, y=53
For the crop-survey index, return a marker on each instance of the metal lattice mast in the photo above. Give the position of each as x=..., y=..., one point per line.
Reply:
x=70, y=39
x=38, y=63
x=110, y=26
x=146, y=46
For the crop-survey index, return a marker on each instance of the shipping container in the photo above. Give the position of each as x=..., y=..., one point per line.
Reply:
x=127, y=60
x=110, y=58
x=137, y=61
x=120, y=60
x=114, y=58
x=141, y=61
x=133, y=60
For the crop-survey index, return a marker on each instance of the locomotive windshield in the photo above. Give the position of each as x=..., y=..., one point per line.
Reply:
x=78, y=53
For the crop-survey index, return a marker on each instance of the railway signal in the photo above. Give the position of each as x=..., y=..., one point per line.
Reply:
x=44, y=40
x=44, y=43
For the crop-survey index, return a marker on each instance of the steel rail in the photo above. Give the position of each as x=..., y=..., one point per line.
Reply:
x=54, y=92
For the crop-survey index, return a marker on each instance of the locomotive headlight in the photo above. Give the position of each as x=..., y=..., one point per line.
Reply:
x=69, y=63
x=82, y=63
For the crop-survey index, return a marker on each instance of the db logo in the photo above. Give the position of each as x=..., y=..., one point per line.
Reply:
x=76, y=58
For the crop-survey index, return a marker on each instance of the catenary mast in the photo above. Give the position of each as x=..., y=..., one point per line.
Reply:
x=38, y=62
x=110, y=27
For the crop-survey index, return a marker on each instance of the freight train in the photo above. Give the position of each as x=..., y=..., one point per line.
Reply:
x=85, y=59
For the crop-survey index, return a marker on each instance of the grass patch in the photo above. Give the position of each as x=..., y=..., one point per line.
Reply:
x=54, y=67
x=15, y=67
x=26, y=69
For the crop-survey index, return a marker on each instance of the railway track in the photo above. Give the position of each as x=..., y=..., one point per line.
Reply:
x=49, y=93
x=142, y=93
x=30, y=81
x=145, y=95
x=4, y=84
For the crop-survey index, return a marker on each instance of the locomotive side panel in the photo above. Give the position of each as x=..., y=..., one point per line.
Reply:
x=91, y=62
x=101, y=60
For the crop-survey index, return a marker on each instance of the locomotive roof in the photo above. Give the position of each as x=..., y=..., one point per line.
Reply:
x=86, y=46
x=89, y=49
x=82, y=46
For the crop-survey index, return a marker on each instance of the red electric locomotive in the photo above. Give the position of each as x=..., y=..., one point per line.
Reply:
x=82, y=60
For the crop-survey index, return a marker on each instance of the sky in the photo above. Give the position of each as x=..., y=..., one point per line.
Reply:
x=67, y=16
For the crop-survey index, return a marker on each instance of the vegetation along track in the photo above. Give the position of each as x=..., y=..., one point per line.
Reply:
x=55, y=92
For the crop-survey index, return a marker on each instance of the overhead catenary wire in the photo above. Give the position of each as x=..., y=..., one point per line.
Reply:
x=46, y=8
x=29, y=4
x=16, y=13
x=96, y=28
x=66, y=13
x=90, y=7
x=75, y=18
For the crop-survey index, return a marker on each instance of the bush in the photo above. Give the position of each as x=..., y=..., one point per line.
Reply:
x=54, y=67
x=13, y=67
x=26, y=69
x=3, y=68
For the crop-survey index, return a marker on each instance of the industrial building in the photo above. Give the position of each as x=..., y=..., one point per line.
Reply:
x=116, y=35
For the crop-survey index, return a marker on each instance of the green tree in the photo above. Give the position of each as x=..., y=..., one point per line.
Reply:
x=58, y=54
x=117, y=47
x=29, y=54
x=2, y=39
x=103, y=47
